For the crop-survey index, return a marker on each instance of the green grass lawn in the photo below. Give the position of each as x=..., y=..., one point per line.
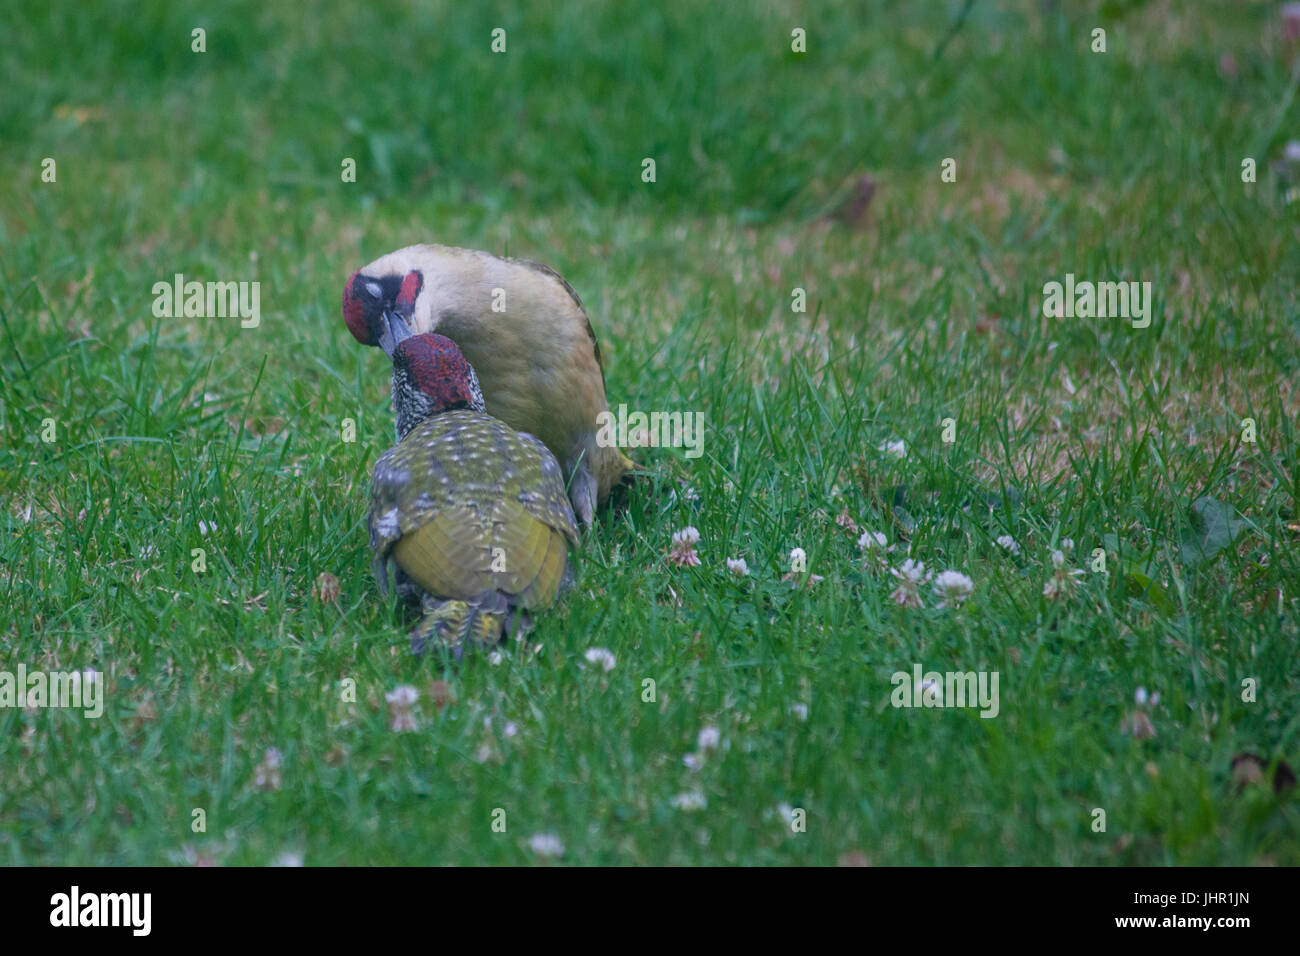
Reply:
x=175, y=434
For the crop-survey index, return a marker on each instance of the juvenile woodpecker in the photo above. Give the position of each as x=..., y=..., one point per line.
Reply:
x=468, y=515
x=524, y=330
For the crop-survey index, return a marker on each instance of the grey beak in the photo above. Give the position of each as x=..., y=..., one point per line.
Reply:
x=393, y=331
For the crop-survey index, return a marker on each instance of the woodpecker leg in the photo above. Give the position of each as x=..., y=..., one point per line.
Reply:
x=427, y=635
x=443, y=626
x=582, y=492
x=457, y=625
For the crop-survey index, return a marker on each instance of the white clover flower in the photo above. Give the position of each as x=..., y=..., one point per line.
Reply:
x=873, y=539
x=1142, y=698
x=709, y=738
x=602, y=657
x=682, y=553
x=1062, y=582
x=495, y=658
x=911, y=575
x=894, y=449
x=403, y=695
x=799, y=710
x=546, y=844
x=952, y=588
x=267, y=775
x=400, y=701
x=690, y=801
x=1008, y=543
x=738, y=567
x=912, y=571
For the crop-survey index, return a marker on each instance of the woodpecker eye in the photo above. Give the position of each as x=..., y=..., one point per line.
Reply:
x=373, y=290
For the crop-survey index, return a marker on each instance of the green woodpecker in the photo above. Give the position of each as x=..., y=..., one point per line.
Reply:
x=467, y=515
x=523, y=329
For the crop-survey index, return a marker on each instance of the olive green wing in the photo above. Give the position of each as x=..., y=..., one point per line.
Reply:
x=466, y=506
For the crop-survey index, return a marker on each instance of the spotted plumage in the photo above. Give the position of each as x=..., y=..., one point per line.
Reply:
x=469, y=518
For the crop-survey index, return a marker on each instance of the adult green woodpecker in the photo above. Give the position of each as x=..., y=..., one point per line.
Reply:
x=468, y=516
x=522, y=328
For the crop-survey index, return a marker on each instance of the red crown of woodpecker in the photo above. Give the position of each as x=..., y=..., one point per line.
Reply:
x=439, y=369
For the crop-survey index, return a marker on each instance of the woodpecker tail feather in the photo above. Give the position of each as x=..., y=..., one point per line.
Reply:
x=458, y=626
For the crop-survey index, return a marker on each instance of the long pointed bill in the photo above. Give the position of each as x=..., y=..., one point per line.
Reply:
x=393, y=331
